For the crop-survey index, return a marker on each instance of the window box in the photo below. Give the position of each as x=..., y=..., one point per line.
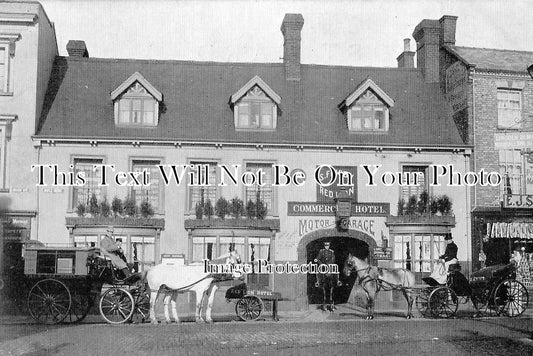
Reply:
x=437, y=220
x=266, y=224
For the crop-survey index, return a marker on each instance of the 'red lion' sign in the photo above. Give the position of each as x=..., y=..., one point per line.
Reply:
x=332, y=179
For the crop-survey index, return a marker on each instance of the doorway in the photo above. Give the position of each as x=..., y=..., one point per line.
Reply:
x=341, y=246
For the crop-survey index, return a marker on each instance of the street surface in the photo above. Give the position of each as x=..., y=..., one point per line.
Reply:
x=315, y=333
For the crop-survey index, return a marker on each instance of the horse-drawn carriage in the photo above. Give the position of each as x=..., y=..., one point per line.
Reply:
x=65, y=283
x=492, y=290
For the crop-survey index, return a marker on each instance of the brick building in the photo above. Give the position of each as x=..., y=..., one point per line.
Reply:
x=491, y=97
x=138, y=114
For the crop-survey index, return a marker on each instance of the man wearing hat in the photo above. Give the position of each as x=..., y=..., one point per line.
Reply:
x=326, y=256
x=113, y=251
x=440, y=273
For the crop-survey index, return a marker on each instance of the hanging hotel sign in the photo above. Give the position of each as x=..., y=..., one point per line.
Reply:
x=518, y=201
x=329, y=209
x=383, y=253
x=332, y=179
x=515, y=230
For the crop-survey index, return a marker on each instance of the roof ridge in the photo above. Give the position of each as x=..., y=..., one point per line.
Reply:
x=492, y=49
x=194, y=62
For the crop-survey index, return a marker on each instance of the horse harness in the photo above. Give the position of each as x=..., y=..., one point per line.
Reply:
x=380, y=283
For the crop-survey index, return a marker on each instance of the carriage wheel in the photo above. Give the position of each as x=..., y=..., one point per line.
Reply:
x=511, y=298
x=49, y=301
x=116, y=305
x=81, y=304
x=422, y=302
x=443, y=302
x=141, y=311
x=249, y=308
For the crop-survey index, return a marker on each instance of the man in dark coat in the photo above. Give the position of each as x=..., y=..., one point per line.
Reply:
x=326, y=256
x=451, y=250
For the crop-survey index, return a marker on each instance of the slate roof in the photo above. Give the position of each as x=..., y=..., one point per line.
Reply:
x=494, y=59
x=196, y=95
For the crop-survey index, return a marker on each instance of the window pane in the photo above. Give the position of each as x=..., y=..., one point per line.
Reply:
x=255, y=113
x=265, y=191
x=379, y=119
x=509, y=108
x=415, y=190
x=82, y=194
x=152, y=192
x=200, y=194
x=266, y=115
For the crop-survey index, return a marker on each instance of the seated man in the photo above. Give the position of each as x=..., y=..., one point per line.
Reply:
x=112, y=250
x=440, y=273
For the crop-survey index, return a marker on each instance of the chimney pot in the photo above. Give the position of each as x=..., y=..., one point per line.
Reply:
x=406, y=45
x=77, y=49
x=291, y=28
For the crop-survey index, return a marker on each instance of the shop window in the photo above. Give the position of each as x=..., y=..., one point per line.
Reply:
x=201, y=193
x=82, y=194
x=264, y=192
x=416, y=190
x=142, y=252
x=86, y=241
x=418, y=252
x=509, y=109
x=153, y=193
x=512, y=172
x=203, y=248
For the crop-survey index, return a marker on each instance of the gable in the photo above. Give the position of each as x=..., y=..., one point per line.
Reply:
x=136, y=77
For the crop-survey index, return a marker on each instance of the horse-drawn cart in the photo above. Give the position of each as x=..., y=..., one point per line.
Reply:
x=67, y=281
x=492, y=290
x=250, y=303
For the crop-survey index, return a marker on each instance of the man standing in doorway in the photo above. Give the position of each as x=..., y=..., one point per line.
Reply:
x=326, y=256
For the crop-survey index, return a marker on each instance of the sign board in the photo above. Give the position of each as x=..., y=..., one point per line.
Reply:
x=342, y=181
x=383, y=253
x=518, y=201
x=456, y=84
x=514, y=140
x=344, y=208
x=329, y=209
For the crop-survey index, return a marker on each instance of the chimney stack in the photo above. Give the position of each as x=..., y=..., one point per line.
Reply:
x=291, y=27
x=77, y=49
x=447, y=30
x=427, y=37
x=407, y=58
x=430, y=36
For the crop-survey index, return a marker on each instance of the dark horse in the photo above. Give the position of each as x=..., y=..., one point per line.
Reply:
x=327, y=281
x=373, y=279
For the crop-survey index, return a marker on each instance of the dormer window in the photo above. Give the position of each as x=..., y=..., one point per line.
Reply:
x=136, y=107
x=368, y=114
x=136, y=102
x=255, y=106
x=367, y=108
x=255, y=111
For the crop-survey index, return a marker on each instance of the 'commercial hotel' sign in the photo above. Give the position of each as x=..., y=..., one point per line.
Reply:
x=328, y=209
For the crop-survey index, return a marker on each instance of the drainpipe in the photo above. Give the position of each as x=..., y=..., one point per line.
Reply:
x=468, y=233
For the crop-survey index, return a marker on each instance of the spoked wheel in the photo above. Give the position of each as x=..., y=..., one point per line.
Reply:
x=116, y=305
x=249, y=308
x=511, y=298
x=141, y=312
x=443, y=302
x=49, y=301
x=81, y=304
x=422, y=303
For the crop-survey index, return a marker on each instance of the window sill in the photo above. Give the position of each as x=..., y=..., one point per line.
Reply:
x=4, y=190
x=508, y=128
x=136, y=126
x=241, y=129
x=366, y=132
x=6, y=93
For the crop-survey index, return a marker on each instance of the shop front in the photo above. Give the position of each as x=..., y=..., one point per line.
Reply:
x=500, y=236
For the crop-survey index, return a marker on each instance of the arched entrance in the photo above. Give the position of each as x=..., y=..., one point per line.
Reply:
x=342, y=243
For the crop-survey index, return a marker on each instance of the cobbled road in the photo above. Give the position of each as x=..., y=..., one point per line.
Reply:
x=381, y=336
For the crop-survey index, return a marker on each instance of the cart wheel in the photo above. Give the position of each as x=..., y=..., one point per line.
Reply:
x=443, y=302
x=49, y=301
x=249, y=308
x=422, y=303
x=81, y=304
x=116, y=305
x=141, y=311
x=510, y=298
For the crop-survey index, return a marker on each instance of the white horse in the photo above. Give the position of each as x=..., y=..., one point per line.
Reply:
x=172, y=280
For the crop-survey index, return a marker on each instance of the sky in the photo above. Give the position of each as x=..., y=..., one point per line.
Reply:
x=354, y=33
